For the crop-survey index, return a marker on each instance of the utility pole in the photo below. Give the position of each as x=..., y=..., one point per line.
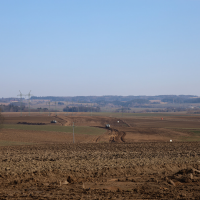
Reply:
x=66, y=108
x=55, y=108
x=49, y=107
x=91, y=110
x=21, y=95
x=72, y=108
x=122, y=111
x=29, y=97
x=73, y=134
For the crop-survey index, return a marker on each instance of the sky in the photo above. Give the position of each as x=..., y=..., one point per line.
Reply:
x=99, y=47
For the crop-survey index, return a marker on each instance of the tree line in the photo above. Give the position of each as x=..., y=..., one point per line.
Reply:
x=11, y=108
x=112, y=98
x=23, y=108
x=81, y=109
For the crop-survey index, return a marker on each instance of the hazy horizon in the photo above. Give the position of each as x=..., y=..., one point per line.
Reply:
x=25, y=96
x=96, y=48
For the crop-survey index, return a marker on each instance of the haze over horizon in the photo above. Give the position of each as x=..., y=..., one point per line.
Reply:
x=95, y=48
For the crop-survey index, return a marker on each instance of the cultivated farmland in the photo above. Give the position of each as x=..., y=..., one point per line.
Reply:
x=131, y=160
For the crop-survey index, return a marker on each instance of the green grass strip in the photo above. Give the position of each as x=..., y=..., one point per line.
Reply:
x=77, y=129
x=190, y=139
x=12, y=143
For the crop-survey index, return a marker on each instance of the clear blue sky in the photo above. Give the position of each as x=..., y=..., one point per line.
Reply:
x=99, y=47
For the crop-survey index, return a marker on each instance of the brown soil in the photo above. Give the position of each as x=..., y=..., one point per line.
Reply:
x=101, y=171
x=44, y=137
x=127, y=130
x=119, y=164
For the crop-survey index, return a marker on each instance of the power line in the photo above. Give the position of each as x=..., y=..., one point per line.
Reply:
x=29, y=96
x=73, y=134
x=72, y=108
x=66, y=108
x=55, y=108
x=78, y=106
x=49, y=107
x=21, y=95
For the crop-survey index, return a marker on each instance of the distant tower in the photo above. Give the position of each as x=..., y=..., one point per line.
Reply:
x=21, y=95
x=72, y=107
x=55, y=108
x=49, y=107
x=73, y=134
x=78, y=106
x=66, y=108
x=29, y=97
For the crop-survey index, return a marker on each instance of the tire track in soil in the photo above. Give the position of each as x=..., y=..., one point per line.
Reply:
x=125, y=122
x=115, y=135
x=61, y=120
x=123, y=136
x=98, y=139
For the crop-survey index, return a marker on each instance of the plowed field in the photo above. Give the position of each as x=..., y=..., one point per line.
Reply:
x=132, y=160
x=101, y=171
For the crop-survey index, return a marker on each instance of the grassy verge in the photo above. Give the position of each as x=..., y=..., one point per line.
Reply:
x=129, y=115
x=193, y=134
x=12, y=143
x=190, y=139
x=78, y=130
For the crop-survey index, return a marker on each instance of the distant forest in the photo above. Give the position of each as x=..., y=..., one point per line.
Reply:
x=124, y=100
x=12, y=108
x=81, y=109
x=161, y=103
x=17, y=108
x=102, y=101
